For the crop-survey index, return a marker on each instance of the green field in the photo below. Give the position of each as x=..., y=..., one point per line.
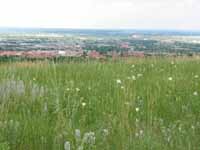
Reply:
x=134, y=104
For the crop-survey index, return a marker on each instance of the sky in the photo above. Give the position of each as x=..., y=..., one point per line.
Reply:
x=101, y=14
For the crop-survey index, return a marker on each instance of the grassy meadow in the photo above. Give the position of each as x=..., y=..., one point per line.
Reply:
x=133, y=104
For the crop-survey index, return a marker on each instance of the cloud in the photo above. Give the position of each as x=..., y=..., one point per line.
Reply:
x=101, y=13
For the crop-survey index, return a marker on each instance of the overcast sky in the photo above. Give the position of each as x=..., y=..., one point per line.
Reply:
x=135, y=14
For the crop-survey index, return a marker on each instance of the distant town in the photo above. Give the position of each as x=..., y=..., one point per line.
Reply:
x=97, y=44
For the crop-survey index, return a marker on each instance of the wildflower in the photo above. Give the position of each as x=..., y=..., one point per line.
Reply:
x=105, y=132
x=45, y=107
x=122, y=87
x=139, y=75
x=141, y=132
x=133, y=66
x=192, y=127
x=119, y=81
x=77, y=89
x=89, y=138
x=34, y=79
x=127, y=103
x=83, y=104
x=78, y=135
x=170, y=78
x=80, y=148
x=67, y=145
x=195, y=93
x=136, y=134
x=172, y=63
x=137, y=109
x=196, y=76
x=68, y=89
x=133, y=77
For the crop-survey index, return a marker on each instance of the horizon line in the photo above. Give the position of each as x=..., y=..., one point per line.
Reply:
x=71, y=28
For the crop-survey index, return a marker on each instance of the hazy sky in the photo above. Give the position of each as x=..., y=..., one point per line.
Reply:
x=135, y=14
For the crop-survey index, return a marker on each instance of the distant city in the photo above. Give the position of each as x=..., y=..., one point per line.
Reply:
x=96, y=43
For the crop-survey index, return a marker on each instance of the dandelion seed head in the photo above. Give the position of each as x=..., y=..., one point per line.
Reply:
x=137, y=109
x=119, y=81
x=78, y=134
x=192, y=127
x=105, y=132
x=136, y=134
x=77, y=89
x=89, y=138
x=67, y=145
x=195, y=93
x=128, y=78
x=139, y=75
x=83, y=104
x=170, y=78
x=141, y=132
x=133, y=77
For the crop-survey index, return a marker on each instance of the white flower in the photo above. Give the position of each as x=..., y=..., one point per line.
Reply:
x=122, y=87
x=45, y=107
x=136, y=134
x=133, y=66
x=67, y=89
x=196, y=76
x=133, y=77
x=67, y=145
x=83, y=104
x=195, y=93
x=78, y=135
x=172, y=63
x=89, y=138
x=119, y=81
x=127, y=103
x=77, y=89
x=128, y=78
x=141, y=132
x=170, y=78
x=139, y=75
x=193, y=127
x=137, y=109
x=105, y=132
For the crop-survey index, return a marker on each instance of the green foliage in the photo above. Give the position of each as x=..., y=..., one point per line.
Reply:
x=128, y=104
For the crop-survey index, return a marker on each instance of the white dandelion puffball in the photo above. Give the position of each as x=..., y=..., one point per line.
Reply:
x=67, y=145
x=77, y=89
x=133, y=77
x=119, y=81
x=195, y=93
x=137, y=109
x=83, y=104
x=170, y=78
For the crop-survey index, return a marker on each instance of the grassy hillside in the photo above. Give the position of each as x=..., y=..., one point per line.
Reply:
x=114, y=105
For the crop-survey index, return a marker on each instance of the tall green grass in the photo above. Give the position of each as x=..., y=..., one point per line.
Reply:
x=113, y=105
